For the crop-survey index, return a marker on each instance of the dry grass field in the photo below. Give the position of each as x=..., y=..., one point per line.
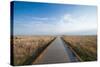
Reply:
x=84, y=46
x=26, y=46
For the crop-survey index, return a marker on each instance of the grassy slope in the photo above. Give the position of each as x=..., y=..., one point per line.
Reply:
x=27, y=46
x=84, y=46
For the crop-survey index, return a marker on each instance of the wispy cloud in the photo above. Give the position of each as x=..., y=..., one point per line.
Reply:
x=81, y=24
x=40, y=18
x=68, y=24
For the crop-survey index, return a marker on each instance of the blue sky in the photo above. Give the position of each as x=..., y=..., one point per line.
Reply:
x=31, y=18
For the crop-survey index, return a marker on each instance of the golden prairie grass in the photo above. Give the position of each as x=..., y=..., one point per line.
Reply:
x=27, y=46
x=84, y=46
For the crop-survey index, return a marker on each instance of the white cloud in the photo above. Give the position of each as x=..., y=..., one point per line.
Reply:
x=68, y=24
x=40, y=18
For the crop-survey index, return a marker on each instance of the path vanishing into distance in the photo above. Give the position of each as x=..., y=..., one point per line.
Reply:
x=56, y=52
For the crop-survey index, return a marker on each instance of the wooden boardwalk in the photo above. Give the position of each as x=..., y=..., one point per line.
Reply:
x=56, y=53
